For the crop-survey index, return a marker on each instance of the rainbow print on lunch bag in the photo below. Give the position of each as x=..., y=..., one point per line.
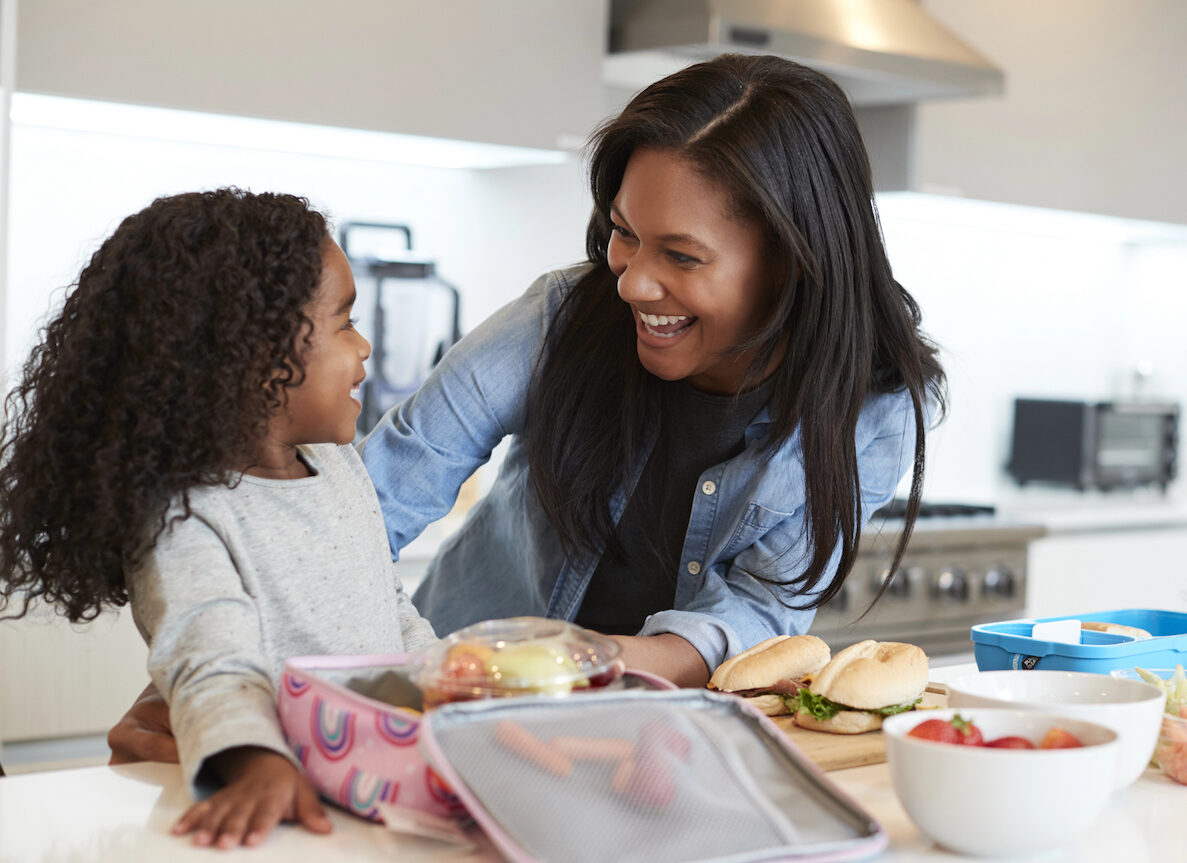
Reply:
x=359, y=752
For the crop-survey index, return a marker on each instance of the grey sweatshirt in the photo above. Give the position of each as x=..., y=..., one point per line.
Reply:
x=267, y=570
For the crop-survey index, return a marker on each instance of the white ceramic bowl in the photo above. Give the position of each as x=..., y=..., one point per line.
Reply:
x=1001, y=802
x=1130, y=707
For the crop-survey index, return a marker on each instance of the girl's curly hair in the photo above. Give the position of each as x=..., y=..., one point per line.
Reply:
x=170, y=354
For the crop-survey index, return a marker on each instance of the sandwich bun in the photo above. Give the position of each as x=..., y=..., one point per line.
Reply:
x=867, y=676
x=1115, y=629
x=770, y=704
x=845, y=722
x=871, y=675
x=784, y=657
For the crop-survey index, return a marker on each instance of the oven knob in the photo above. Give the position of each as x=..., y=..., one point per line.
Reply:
x=951, y=584
x=840, y=600
x=897, y=585
x=999, y=581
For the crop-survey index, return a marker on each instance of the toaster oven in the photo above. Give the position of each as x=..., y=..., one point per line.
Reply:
x=1094, y=445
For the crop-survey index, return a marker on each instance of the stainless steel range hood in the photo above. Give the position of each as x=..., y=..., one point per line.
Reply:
x=882, y=52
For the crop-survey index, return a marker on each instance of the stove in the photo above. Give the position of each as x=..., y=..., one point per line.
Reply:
x=965, y=565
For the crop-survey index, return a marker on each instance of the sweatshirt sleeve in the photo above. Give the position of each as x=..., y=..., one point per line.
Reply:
x=205, y=647
x=416, y=630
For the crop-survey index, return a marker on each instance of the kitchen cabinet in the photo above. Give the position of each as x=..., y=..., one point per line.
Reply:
x=1092, y=118
x=1100, y=570
x=58, y=680
x=521, y=72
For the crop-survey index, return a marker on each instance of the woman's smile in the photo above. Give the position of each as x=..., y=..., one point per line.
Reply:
x=665, y=326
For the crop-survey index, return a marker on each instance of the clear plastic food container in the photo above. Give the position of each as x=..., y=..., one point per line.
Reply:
x=516, y=656
x=1170, y=753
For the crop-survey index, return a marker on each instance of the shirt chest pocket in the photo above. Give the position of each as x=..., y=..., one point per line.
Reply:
x=768, y=541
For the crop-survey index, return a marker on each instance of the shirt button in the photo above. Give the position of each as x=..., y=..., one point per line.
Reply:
x=694, y=567
x=708, y=486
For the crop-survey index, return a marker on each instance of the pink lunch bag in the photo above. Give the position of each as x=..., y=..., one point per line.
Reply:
x=343, y=718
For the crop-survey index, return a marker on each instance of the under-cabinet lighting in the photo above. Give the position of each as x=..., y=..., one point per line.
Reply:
x=1020, y=219
x=169, y=124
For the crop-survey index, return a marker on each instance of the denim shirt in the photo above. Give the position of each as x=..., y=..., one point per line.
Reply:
x=746, y=525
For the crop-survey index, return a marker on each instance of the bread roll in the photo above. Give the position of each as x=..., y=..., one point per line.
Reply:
x=784, y=657
x=770, y=704
x=1115, y=629
x=845, y=722
x=873, y=674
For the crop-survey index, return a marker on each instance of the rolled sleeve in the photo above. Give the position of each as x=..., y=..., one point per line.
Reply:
x=732, y=611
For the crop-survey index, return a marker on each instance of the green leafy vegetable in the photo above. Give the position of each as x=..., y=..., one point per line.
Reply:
x=899, y=708
x=821, y=708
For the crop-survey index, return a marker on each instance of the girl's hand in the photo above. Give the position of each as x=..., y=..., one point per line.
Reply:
x=262, y=789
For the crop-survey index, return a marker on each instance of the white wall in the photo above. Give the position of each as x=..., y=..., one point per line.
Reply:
x=7, y=82
x=491, y=231
x=1027, y=302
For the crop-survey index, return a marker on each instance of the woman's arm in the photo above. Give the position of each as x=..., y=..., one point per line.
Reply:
x=144, y=732
x=740, y=594
x=667, y=655
x=419, y=454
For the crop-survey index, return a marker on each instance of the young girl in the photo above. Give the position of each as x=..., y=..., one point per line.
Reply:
x=181, y=439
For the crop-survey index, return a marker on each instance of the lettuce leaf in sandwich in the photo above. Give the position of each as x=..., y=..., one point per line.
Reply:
x=821, y=708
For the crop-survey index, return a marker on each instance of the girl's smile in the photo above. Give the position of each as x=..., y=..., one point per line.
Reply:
x=325, y=405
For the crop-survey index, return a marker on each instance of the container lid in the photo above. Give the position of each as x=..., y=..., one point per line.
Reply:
x=516, y=656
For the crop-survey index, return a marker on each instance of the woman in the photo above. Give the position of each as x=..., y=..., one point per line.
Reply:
x=705, y=412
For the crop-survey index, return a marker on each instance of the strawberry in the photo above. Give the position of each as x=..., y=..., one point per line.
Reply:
x=1013, y=742
x=970, y=735
x=956, y=730
x=1058, y=738
x=939, y=730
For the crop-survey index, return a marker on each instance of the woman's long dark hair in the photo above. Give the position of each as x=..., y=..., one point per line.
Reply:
x=159, y=374
x=782, y=141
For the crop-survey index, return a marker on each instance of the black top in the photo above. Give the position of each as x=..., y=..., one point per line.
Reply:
x=697, y=431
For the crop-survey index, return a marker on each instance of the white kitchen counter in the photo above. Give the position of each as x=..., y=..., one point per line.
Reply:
x=1064, y=511
x=124, y=814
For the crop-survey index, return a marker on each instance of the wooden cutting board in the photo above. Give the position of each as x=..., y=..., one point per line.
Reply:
x=838, y=751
